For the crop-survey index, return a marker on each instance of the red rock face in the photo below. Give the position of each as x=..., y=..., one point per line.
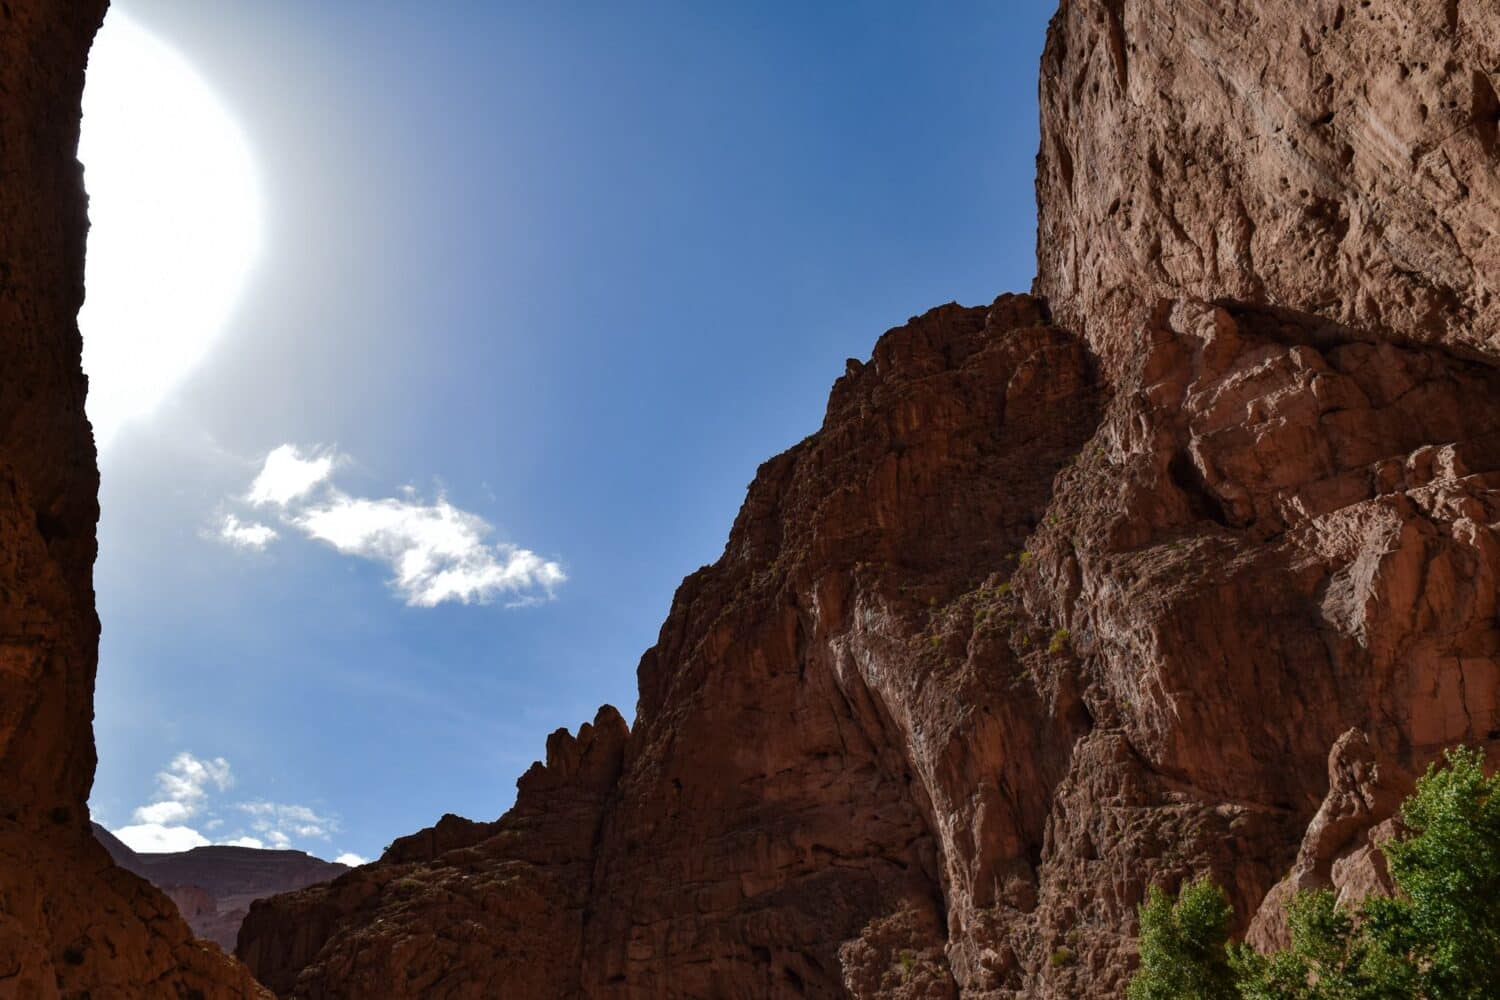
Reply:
x=1186, y=570
x=462, y=909
x=71, y=924
x=1332, y=156
x=1190, y=579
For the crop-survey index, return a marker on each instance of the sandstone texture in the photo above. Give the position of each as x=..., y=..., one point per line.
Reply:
x=1331, y=156
x=213, y=887
x=1185, y=565
x=71, y=923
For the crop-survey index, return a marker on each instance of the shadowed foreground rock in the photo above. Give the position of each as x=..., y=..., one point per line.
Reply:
x=1184, y=570
x=71, y=923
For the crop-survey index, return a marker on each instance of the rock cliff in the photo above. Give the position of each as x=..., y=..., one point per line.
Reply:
x=1184, y=565
x=214, y=886
x=1335, y=157
x=71, y=923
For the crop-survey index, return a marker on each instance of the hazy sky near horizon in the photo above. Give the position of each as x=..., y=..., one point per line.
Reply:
x=536, y=289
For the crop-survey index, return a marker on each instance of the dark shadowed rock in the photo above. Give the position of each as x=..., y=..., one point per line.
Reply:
x=71, y=923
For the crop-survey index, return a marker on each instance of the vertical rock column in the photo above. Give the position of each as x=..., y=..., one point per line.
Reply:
x=71, y=923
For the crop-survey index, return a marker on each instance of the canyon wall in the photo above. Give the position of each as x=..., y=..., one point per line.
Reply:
x=1185, y=565
x=71, y=923
x=1335, y=157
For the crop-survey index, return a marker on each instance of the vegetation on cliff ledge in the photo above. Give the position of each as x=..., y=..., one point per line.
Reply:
x=1438, y=938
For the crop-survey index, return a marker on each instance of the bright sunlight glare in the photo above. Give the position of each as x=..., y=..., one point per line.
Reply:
x=175, y=212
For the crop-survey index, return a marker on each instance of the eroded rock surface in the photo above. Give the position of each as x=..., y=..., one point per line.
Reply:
x=462, y=909
x=994, y=650
x=1332, y=156
x=71, y=923
x=1186, y=569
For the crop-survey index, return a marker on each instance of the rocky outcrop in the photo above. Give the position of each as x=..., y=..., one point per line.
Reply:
x=1184, y=566
x=819, y=747
x=1331, y=156
x=993, y=651
x=213, y=887
x=71, y=923
x=451, y=911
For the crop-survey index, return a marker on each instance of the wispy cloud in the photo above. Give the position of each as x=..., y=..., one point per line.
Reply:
x=183, y=812
x=279, y=823
x=246, y=534
x=436, y=552
x=287, y=475
x=184, y=784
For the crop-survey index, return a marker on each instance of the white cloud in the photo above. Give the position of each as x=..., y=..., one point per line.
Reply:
x=163, y=813
x=254, y=842
x=246, y=534
x=156, y=838
x=436, y=552
x=278, y=822
x=187, y=778
x=351, y=859
x=181, y=789
x=287, y=476
x=185, y=790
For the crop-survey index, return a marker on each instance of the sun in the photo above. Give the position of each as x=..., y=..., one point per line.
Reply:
x=176, y=222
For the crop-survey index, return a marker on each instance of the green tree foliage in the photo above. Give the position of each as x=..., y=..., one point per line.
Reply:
x=1183, y=954
x=1445, y=921
x=1330, y=959
x=1438, y=938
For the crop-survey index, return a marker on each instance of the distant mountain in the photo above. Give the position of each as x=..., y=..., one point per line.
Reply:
x=213, y=887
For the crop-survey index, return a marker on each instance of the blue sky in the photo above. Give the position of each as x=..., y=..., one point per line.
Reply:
x=572, y=270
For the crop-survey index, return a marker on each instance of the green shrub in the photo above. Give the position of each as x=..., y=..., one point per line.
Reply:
x=1183, y=953
x=1438, y=938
